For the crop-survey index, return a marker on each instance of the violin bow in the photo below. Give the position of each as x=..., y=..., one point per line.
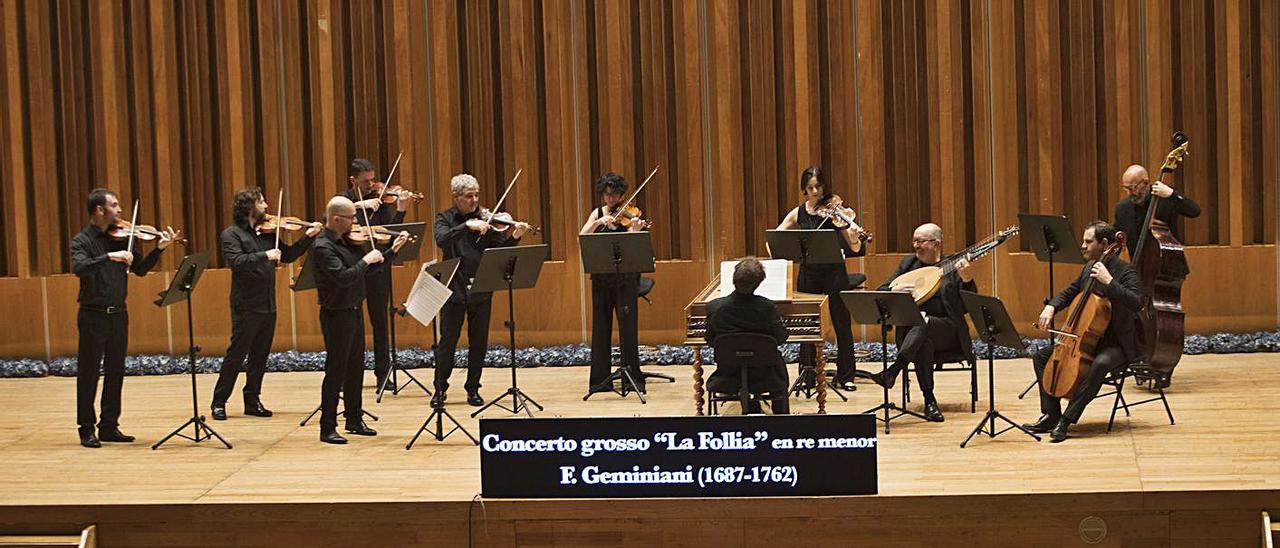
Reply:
x=387, y=183
x=510, y=186
x=279, y=216
x=638, y=189
x=133, y=227
x=368, y=227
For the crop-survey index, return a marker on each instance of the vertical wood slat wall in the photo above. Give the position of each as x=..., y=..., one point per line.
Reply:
x=962, y=112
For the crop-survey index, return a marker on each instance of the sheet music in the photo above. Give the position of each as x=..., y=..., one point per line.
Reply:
x=427, y=297
x=774, y=286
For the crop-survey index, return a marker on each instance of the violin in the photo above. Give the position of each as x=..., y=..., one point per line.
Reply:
x=381, y=234
x=502, y=221
x=832, y=206
x=626, y=216
x=121, y=229
x=270, y=223
x=393, y=193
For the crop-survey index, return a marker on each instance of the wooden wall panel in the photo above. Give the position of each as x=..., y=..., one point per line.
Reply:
x=961, y=112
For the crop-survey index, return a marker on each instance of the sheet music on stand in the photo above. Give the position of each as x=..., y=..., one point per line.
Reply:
x=777, y=278
x=427, y=296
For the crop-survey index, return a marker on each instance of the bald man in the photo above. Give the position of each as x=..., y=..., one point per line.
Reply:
x=944, y=330
x=1132, y=209
x=341, y=268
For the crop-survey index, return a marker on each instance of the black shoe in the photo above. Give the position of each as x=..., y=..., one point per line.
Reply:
x=1059, y=432
x=386, y=385
x=886, y=378
x=360, y=429
x=474, y=399
x=332, y=436
x=437, y=400
x=1043, y=425
x=219, y=411
x=254, y=409
x=89, y=440
x=932, y=413
x=114, y=435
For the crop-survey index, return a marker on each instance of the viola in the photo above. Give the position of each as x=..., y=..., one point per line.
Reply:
x=832, y=206
x=626, y=216
x=292, y=224
x=501, y=221
x=393, y=193
x=121, y=229
x=360, y=234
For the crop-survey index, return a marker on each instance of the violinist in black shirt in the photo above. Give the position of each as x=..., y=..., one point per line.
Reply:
x=252, y=257
x=341, y=267
x=1131, y=210
x=102, y=264
x=462, y=232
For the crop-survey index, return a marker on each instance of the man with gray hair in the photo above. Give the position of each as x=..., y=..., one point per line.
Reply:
x=745, y=312
x=462, y=232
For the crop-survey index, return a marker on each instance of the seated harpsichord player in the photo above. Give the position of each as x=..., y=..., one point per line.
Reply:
x=745, y=312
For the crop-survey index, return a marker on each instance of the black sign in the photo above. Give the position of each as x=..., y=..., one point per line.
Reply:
x=727, y=456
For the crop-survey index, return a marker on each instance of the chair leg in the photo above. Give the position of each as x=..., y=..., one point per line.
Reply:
x=973, y=387
x=1117, y=403
x=906, y=385
x=1165, y=401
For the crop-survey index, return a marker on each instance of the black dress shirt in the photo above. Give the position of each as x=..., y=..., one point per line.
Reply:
x=1126, y=302
x=1129, y=216
x=456, y=240
x=946, y=303
x=253, y=277
x=104, y=282
x=340, y=270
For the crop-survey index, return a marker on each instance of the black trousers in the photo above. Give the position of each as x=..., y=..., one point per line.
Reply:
x=843, y=326
x=377, y=290
x=612, y=297
x=476, y=313
x=104, y=341
x=343, y=365
x=251, y=337
x=1105, y=360
x=919, y=344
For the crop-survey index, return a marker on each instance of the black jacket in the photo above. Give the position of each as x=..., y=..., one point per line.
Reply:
x=1129, y=216
x=340, y=270
x=103, y=282
x=1126, y=302
x=253, y=277
x=744, y=313
x=456, y=240
x=948, y=295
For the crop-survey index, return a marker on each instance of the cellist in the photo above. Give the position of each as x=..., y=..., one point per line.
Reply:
x=1118, y=282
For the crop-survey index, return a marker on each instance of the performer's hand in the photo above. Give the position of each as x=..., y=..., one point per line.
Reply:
x=121, y=257
x=167, y=237
x=905, y=288
x=369, y=203
x=314, y=229
x=273, y=255
x=1046, y=317
x=1100, y=273
x=638, y=225
x=1162, y=190
x=477, y=225
x=401, y=238
x=373, y=257
x=963, y=267
x=402, y=201
x=608, y=221
x=520, y=229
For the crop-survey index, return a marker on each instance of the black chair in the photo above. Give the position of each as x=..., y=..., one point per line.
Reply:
x=1141, y=373
x=749, y=356
x=947, y=362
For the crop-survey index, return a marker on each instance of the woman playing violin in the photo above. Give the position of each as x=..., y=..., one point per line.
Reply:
x=820, y=210
x=614, y=294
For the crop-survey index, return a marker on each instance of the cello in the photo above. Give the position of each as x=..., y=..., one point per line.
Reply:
x=1162, y=267
x=1073, y=349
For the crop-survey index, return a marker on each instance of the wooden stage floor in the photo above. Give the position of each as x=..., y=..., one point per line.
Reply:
x=1225, y=445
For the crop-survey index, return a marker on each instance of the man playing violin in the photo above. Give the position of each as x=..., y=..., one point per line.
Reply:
x=341, y=267
x=1118, y=282
x=463, y=232
x=944, y=329
x=1131, y=210
x=365, y=193
x=252, y=255
x=613, y=294
x=829, y=279
x=102, y=264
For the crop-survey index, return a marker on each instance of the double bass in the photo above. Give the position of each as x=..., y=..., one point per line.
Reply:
x=1076, y=342
x=1162, y=267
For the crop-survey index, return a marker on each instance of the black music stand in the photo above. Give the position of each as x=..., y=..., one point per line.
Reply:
x=408, y=252
x=992, y=322
x=184, y=282
x=886, y=309
x=809, y=247
x=444, y=272
x=618, y=253
x=1052, y=240
x=511, y=268
x=305, y=280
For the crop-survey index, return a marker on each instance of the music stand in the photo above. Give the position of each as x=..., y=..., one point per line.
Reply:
x=886, y=309
x=618, y=253
x=408, y=252
x=511, y=268
x=305, y=280
x=184, y=282
x=443, y=272
x=992, y=322
x=809, y=247
x=1052, y=240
